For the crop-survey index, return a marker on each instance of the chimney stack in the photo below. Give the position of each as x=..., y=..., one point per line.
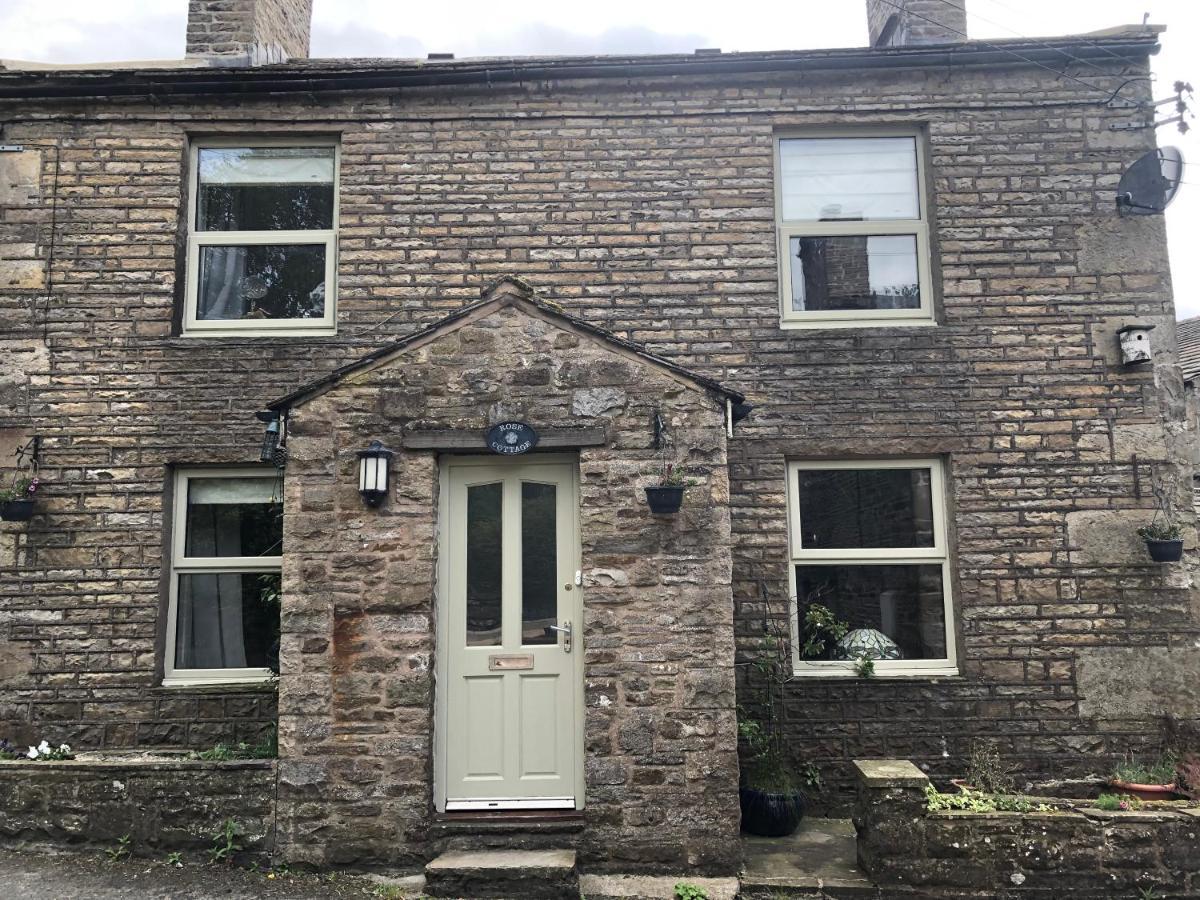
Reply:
x=916, y=23
x=248, y=32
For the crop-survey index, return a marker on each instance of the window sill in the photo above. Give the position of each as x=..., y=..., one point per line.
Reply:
x=842, y=670
x=823, y=324
x=227, y=333
x=208, y=685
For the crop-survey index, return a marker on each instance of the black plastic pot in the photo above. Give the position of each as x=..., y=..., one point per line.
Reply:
x=1165, y=551
x=770, y=815
x=16, y=510
x=665, y=499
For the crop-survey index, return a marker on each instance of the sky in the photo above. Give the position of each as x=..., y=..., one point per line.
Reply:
x=91, y=31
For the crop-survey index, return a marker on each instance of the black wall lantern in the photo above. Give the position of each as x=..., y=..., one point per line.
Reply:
x=373, y=473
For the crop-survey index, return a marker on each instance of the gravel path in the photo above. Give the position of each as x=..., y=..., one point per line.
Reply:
x=76, y=876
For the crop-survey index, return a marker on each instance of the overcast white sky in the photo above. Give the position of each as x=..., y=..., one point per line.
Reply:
x=98, y=30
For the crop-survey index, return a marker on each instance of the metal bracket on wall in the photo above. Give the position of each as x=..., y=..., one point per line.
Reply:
x=31, y=449
x=12, y=148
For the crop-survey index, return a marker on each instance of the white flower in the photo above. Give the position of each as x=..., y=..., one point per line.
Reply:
x=64, y=748
x=33, y=753
x=44, y=747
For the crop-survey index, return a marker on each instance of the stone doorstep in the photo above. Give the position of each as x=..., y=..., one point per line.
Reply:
x=542, y=874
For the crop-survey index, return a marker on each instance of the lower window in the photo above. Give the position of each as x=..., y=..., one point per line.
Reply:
x=227, y=546
x=870, y=567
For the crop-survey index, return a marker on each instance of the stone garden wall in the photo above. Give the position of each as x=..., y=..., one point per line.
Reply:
x=162, y=805
x=909, y=851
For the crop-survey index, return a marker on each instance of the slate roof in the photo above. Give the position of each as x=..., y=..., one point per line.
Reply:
x=1187, y=336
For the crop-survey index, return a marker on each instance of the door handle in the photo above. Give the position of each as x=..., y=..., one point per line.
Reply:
x=565, y=631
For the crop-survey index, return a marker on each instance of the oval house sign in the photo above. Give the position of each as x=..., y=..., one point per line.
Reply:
x=511, y=438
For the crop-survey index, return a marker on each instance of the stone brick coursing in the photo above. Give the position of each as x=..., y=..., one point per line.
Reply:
x=645, y=207
x=358, y=652
x=249, y=31
x=160, y=805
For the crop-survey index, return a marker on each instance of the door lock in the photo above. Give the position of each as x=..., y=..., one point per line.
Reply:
x=565, y=630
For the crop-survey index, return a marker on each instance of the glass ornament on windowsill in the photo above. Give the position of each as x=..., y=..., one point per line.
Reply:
x=866, y=643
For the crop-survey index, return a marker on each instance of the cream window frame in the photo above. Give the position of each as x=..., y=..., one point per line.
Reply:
x=939, y=553
x=181, y=564
x=196, y=239
x=919, y=228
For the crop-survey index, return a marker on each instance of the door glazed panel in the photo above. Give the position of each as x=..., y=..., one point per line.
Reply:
x=511, y=691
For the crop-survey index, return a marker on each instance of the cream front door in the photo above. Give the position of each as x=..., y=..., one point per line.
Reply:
x=510, y=697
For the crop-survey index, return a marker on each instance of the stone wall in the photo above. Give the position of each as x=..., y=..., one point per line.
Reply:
x=645, y=206
x=161, y=805
x=358, y=654
x=1084, y=852
x=248, y=32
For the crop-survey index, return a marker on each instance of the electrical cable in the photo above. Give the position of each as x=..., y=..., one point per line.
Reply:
x=1033, y=62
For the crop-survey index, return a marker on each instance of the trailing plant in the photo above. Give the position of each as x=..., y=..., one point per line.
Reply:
x=987, y=772
x=1160, y=771
x=1160, y=531
x=225, y=843
x=766, y=764
x=9, y=750
x=970, y=800
x=673, y=475
x=687, y=891
x=865, y=667
x=23, y=487
x=820, y=629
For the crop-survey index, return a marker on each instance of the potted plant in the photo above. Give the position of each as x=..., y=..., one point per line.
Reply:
x=1148, y=781
x=820, y=629
x=16, y=501
x=771, y=792
x=666, y=497
x=1164, y=541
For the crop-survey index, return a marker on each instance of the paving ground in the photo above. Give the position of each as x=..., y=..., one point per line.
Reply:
x=820, y=856
x=72, y=876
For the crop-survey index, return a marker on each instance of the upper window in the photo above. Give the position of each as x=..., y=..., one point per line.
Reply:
x=227, y=545
x=868, y=550
x=853, y=231
x=262, y=241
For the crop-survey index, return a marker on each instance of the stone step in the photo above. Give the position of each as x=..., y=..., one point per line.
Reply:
x=507, y=831
x=504, y=875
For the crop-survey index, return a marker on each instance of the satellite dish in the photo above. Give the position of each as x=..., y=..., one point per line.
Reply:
x=1149, y=185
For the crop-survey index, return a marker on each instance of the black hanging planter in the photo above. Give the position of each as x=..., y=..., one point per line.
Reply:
x=665, y=499
x=1165, y=551
x=16, y=510
x=770, y=815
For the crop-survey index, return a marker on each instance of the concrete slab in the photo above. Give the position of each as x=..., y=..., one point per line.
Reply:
x=821, y=855
x=504, y=860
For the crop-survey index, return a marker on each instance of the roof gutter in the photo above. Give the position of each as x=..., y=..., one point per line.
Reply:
x=109, y=84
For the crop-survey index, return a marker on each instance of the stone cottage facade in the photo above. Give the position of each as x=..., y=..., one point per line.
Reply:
x=866, y=299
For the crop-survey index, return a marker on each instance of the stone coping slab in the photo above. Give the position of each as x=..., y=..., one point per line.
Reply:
x=107, y=762
x=497, y=860
x=884, y=773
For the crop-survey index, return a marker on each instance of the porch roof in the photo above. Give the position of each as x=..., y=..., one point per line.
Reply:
x=508, y=290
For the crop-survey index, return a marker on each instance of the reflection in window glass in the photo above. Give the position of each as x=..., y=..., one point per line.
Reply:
x=865, y=508
x=854, y=272
x=262, y=281
x=484, y=564
x=539, y=563
x=233, y=517
x=227, y=620
x=902, y=603
x=849, y=179
x=265, y=189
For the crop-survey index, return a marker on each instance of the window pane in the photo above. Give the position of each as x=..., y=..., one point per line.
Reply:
x=849, y=179
x=539, y=563
x=227, y=620
x=262, y=281
x=854, y=272
x=265, y=189
x=484, y=566
x=898, y=608
x=865, y=508
x=233, y=517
